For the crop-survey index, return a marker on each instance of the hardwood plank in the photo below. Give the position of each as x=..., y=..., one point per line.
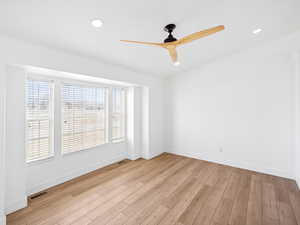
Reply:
x=80, y=221
x=166, y=190
x=270, y=215
x=286, y=214
x=156, y=216
x=100, y=210
x=205, y=216
x=143, y=207
x=157, y=181
x=195, y=206
x=295, y=202
x=118, y=220
x=254, y=213
x=180, y=193
x=233, y=187
x=174, y=214
x=239, y=211
x=223, y=211
x=177, y=210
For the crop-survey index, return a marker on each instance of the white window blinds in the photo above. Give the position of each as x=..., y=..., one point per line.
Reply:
x=84, y=112
x=39, y=122
x=118, y=114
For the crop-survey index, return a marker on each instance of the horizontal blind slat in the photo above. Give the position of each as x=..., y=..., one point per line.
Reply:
x=38, y=119
x=84, y=116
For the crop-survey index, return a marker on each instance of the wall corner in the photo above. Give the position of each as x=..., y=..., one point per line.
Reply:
x=2, y=220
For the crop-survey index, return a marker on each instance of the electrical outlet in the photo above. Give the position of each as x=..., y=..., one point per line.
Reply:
x=220, y=149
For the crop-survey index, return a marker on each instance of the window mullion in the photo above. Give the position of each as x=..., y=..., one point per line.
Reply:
x=109, y=114
x=56, y=119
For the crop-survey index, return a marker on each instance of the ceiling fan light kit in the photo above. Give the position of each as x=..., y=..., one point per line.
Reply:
x=170, y=43
x=177, y=63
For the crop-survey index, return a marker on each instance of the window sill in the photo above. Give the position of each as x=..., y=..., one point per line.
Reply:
x=84, y=149
x=118, y=141
x=38, y=161
x=49, y=158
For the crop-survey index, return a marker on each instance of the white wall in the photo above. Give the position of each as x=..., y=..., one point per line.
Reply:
x=2, y=142
x=46, y=173
x=146, y=122
x=297, y=119
x=237, y=110
x=14, y=52
x=15, y=119
x=134, y=122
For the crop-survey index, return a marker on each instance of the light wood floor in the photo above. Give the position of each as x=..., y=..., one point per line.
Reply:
x=168, y=189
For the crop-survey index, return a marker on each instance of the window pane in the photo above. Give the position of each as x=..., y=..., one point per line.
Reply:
x=118, y=114
x=38, y=120
x=84, y=117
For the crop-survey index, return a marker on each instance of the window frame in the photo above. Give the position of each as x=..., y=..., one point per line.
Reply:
x=108, y=113
x=124, y=138
x=57, y=109
x=30, y=76
x=82, y=84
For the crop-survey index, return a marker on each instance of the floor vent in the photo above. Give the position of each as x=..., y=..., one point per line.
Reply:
x=38, y=195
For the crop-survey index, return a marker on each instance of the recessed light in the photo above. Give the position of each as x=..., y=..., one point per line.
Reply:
x=97, y=23
x=256, y=31
x=177, y=63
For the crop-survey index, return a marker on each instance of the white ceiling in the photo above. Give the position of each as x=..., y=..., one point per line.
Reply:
x=65, y=24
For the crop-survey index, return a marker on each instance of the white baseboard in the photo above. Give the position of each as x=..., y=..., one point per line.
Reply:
x=71, y=175
x=298, y=182
x=3, y=220
x=15, y=206
x=134, y=157
x=153, y=155
x=242, y=165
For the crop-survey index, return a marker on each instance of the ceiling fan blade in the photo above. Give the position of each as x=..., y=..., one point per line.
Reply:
x=173, y=53
x=145, y=43
x=200, y=34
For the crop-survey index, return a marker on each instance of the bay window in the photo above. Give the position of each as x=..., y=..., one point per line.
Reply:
x=91, y=115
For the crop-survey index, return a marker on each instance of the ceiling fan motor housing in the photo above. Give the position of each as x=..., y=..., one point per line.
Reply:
x=169, y=28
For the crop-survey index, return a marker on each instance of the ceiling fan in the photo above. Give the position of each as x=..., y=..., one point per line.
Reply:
x=170, y=43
